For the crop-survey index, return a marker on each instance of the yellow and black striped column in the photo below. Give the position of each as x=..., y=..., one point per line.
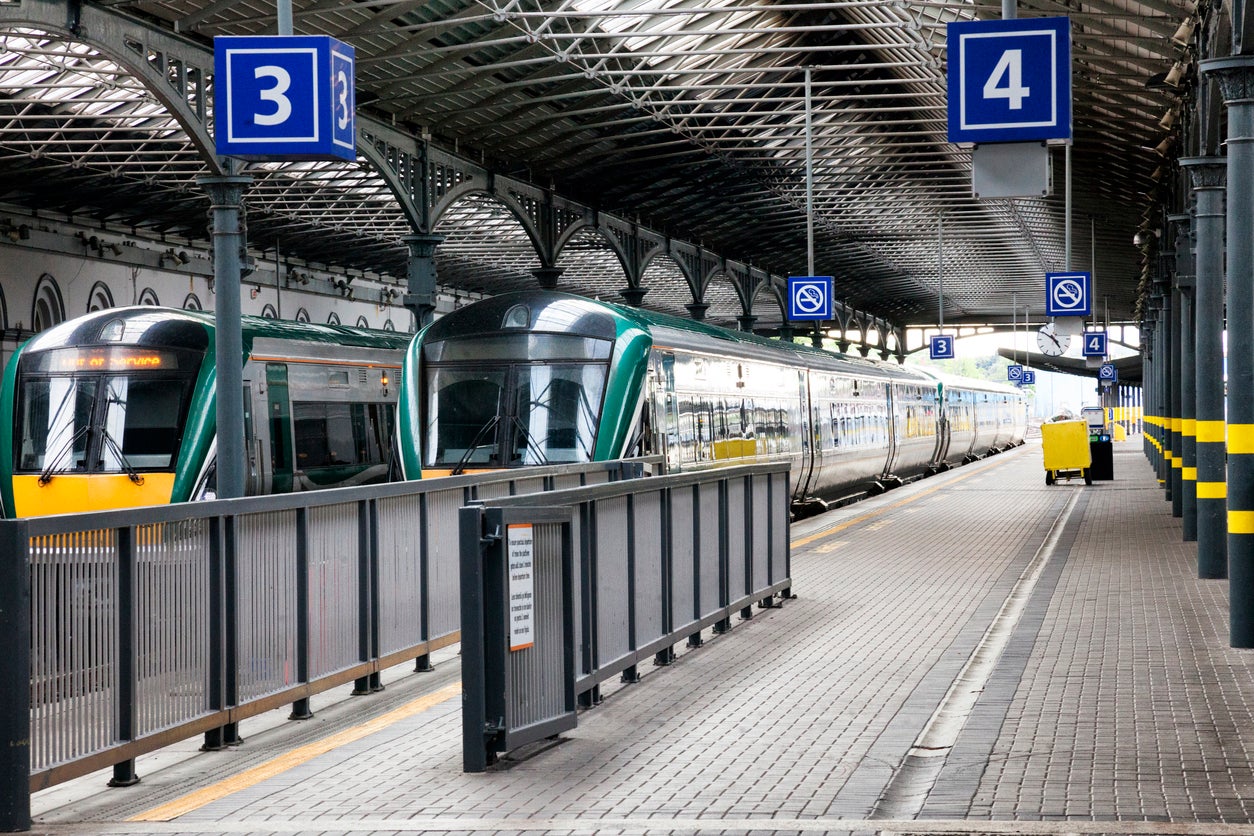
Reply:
x=1206, y=176
x=1235, y=75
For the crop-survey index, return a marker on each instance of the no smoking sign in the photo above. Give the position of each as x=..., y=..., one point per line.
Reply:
x=1068, y=294
x=810, y=297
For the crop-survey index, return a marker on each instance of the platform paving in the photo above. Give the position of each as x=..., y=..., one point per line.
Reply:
x=973, y=653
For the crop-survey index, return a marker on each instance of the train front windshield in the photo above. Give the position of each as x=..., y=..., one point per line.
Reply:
x=513, y=401
x=116, y=410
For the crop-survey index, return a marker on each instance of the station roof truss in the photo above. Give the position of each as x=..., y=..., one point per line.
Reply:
x=685, y=117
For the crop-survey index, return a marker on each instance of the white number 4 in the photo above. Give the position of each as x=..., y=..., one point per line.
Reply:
x=1006, y=80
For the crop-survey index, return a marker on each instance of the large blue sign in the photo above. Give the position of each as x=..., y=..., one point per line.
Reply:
x=809, y=297
x=1108, y=372
x=942, y=347
x=1009, y=80
x=1068, y=294
x=285, y=97
x=1029, y=377
x=1014, y=373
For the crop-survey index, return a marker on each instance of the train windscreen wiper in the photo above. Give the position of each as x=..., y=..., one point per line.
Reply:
x=115, y=448
x=474, y=445
x=45, y=475
x=531, y=442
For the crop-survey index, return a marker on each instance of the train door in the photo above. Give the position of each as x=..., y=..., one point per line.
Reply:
x=255, y=482
x=804, y=472
x=896, y=425
x=665, y=408
x=279, y=422
x=943, y=428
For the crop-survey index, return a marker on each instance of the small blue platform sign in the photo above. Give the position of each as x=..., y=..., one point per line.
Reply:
x=809, y=297
x=1014, y=373
x=942, y=347
x=1108, y=373
x=1094, y=344
x=1009, y=80
x=1068, y=294
x=284, y=97
x=1029, y=377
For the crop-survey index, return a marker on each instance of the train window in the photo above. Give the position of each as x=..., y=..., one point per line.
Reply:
x=464, y=406
x=142, y=421
x=100, y=423
x=554, y=413
x=537, y=347
x=340, y=435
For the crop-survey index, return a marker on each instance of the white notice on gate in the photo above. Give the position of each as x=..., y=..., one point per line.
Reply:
x=521, y=547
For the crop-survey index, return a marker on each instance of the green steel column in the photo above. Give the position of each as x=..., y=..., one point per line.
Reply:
x=1174, y=407
x=1206, y=175
x=226, y=196
x=1236, y=82
x=420, y=289
x=1186, y=459
x=1164, y=384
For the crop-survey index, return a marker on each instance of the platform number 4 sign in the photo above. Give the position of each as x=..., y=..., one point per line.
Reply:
x=942, y=348
x=1009, y=80
x=1094, y=344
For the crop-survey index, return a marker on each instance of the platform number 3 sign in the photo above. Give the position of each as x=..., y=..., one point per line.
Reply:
x=284, y=97
x=942, y=348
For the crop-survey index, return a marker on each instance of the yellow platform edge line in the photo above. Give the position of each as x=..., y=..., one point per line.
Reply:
x=289, y=760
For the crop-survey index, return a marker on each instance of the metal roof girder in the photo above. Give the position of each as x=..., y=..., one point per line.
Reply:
x=135, y=46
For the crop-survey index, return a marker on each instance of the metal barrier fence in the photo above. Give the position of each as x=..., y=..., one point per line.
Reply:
x=131, y=630
x=609, y=577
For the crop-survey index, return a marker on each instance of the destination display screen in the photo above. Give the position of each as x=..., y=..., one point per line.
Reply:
x=103, y=359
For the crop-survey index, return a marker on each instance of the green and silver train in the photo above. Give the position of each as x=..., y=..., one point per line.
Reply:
x=117, y=409
x=539, y=377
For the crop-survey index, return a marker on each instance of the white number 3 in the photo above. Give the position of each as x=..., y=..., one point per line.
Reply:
x=275, y=94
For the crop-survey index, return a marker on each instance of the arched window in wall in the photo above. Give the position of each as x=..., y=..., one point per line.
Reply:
x=192, y=303
x=302, y=315
x=333, y=319
x=388, y=326
x=148, y=296
x=362, y=322
x=49, y=305
x=100, y=298
x=268, y=312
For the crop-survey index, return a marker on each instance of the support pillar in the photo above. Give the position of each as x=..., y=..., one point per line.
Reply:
x=1236, y=82
x=547, y=277
x=1206, y=175
x=633, y=295
x=420, y=292
x=786, y=332
x=226, y=196
x=697, y=310
x=1187, y=456
x=1174, y=405
x=747, y=322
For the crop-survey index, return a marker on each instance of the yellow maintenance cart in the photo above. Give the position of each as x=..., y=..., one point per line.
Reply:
x=1067, y=454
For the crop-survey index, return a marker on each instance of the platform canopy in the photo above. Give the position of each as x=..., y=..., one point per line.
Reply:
x=685, y=117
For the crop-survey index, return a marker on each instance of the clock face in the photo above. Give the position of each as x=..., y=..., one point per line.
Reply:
x=1052, y=343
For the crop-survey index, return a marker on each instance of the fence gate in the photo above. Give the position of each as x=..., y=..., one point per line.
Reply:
x=518, y=634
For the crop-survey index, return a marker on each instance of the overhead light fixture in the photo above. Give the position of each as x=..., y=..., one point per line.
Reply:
x=1168, y=120
x=1163, y=147
x=1175, y=74
x=1185, y=31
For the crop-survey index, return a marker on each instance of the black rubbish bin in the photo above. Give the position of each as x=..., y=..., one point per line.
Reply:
x=1103, y=452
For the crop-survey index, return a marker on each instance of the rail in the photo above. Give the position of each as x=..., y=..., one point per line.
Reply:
x=131, y=630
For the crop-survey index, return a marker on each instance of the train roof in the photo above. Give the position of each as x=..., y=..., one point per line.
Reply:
x=664, y=329
x=147, y=325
